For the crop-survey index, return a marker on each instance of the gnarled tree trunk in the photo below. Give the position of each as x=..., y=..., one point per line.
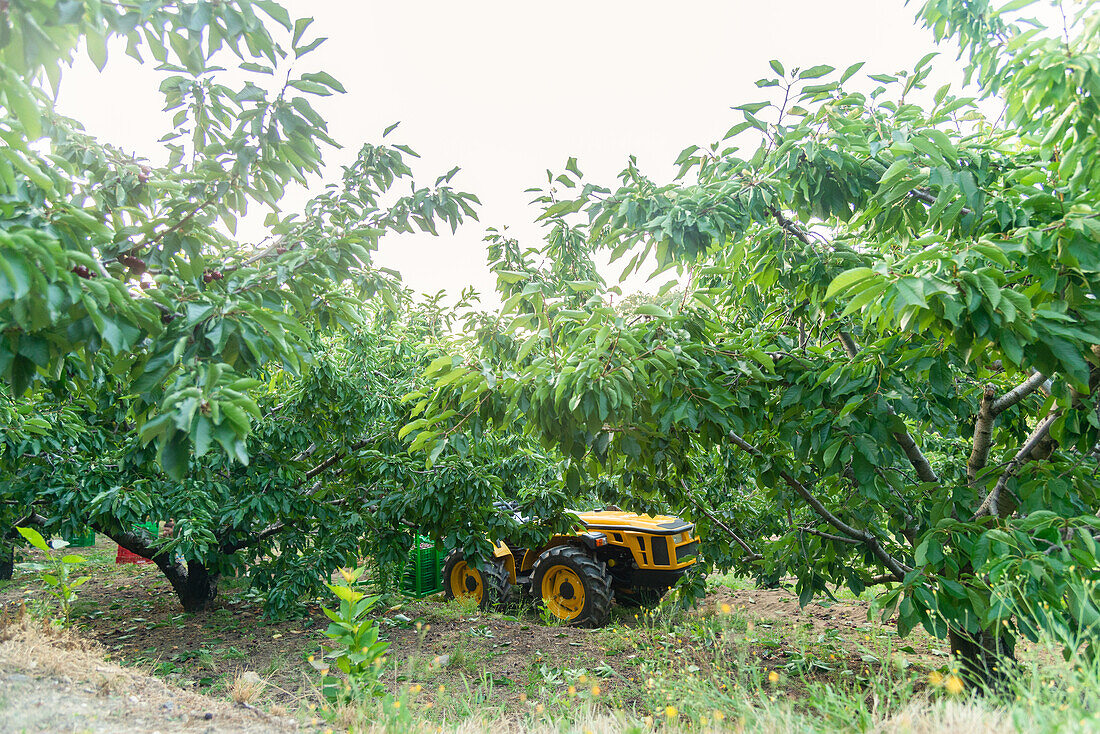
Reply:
x=7, y=560
x=195, y=585
x=984, y=658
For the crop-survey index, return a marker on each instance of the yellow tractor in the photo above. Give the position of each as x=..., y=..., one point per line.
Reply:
x=633, y=559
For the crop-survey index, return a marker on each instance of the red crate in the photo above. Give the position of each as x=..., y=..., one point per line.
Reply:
x=125, y=556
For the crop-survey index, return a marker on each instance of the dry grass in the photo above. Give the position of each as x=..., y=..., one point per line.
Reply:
x=920, y=717
x=38, y=647
x=246, y=687
x=949, y=716
x=60, y=661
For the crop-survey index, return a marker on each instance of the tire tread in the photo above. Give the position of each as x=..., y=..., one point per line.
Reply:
x=593, y=573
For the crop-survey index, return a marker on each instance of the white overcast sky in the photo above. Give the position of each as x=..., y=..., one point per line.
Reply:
x=507, y=89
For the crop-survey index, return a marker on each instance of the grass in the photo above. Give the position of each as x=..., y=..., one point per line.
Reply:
x=733, y=666
x=723, y=672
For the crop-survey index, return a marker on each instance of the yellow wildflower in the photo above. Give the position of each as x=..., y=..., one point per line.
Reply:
x=773, y=677
x=935, y=678
x=595, y=690
x=953, y=685
x=670, y=712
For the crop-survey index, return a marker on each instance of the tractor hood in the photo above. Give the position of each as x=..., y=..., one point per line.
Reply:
x=614, y=520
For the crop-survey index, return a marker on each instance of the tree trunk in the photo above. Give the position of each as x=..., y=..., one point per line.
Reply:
x=984, y=658
x=194, y=584
x=7, y=560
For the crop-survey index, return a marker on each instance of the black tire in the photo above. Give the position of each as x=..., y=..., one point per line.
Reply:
x=493, y=576
x=639, y=596
x=594, y=580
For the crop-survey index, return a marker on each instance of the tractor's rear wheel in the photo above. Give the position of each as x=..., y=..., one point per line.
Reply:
x=573, y=586
x=488, y=585
x=639, y=596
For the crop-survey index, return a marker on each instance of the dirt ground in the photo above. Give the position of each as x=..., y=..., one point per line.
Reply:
x=149, y=666
x=773, y=604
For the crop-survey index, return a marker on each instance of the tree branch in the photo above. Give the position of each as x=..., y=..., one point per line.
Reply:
x=990, y=408
x=339, y=455
x=828, y=536
x=165, y=232
x=752, y=555
x=885, y=578
x=928, y=198
x=1018, y=393
x=270, y=249
x=848, y=343
x=896, y=567
x=306, y=453
x=228, y=547
x=991, y=505
x=905, y=441
x=983, y=436
x=914, y=454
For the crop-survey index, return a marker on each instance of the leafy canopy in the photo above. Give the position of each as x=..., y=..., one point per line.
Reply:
x=878, y=363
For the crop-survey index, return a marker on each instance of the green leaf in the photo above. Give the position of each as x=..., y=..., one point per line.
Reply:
x=851, y=70
x=300, y=27
x=846, y=280
x=326, y=79
x=910, y=292
x=438, y=365
x=277, y=12
x=865, y=296
x=816, y=72
x=23, y=105
x=35, y=538
x=652, y=309
x=175, y=455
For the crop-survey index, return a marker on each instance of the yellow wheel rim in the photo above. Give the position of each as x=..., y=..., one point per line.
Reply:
x=563, y=592
x=466, y=582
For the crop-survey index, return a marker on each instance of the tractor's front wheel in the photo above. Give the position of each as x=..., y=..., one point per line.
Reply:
x=573, y=586
x=488, y=585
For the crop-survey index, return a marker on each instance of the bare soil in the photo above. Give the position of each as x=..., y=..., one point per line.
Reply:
x=156, y=667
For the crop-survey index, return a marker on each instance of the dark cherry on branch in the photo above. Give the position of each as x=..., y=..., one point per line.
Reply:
x=135, y=264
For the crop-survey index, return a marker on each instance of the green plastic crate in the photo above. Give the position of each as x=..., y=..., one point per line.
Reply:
x=424, y=572
x=84, y=540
